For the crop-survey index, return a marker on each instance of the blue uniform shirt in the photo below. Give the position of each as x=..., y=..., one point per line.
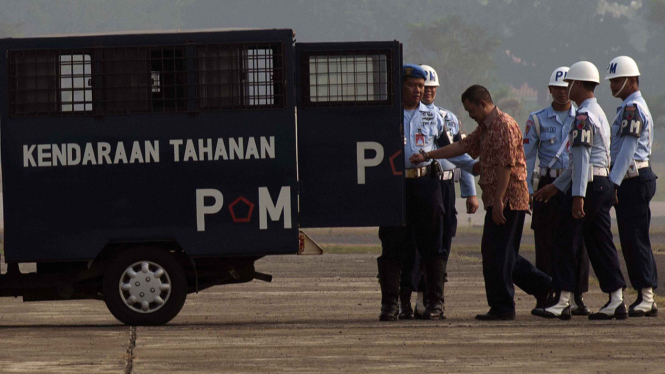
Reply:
x=627, y=147
x=421, y=131
x=552, y=134
x=465, y=162
x=595, y=152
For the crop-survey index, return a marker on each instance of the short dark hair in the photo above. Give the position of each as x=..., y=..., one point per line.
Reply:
x=637, y=79
x=589, y=86
x=476, y=93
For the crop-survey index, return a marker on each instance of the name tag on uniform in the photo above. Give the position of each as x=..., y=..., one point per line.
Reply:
x=420, y=140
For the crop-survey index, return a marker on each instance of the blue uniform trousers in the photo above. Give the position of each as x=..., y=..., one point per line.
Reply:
x=422, y=233
x=413, y=272
x=593, y=230
x=634, y=219
x=503, y=267
x=545, y=232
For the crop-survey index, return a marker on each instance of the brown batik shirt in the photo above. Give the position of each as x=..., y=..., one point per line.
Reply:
x=498, y=142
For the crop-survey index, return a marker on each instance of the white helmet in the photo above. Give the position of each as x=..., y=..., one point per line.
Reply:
x=432, y=77
x=622, y=66
x=558, y=76
x=583, y=71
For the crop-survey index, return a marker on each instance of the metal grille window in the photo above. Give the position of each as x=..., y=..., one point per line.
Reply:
x=239, y=76
x=146, y=79
x=143, y=80
x=75, y=83
x=33, y=82
x=360, y=78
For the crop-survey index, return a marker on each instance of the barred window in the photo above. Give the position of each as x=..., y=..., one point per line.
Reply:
x=239, y=76
x=359, y=78
x=146, y=79
x=75, y=83
x=33, y=82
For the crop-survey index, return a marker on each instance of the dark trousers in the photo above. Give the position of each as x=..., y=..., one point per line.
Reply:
x=502, y=264
x=413, y=272
x=634, y=219
x=545, y=232
x=593, y=230
x=424, y=224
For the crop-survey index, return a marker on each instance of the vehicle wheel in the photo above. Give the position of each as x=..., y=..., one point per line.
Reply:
x=145, y=286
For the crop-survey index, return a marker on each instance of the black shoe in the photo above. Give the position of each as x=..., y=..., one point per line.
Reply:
x=491, y=316
x=619, y=313
x=433, y=313
x=580, y=309
x=406, y=313
x=538, y=312
x=389, y=313
x=564, y=316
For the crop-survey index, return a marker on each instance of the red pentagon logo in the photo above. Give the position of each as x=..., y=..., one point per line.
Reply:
x=249, y=213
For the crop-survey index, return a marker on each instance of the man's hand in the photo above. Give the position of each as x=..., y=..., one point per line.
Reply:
x=616, y=195
x=416, y=158
x=471, y=204
x=545, y=193
x=578, y=207
x=497, y=213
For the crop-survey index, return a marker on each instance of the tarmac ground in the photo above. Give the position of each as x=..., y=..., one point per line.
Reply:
x=320, y=315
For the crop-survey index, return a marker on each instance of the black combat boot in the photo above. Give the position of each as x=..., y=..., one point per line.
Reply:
x=389, y=280
x=435, y=273
x=405, y=309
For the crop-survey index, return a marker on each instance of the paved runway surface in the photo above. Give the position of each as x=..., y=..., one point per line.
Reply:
x=319, y=315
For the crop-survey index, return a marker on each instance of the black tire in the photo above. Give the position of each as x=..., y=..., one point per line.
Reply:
x=162, y=306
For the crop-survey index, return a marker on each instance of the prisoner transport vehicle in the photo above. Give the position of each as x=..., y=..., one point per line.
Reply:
x=138, y=168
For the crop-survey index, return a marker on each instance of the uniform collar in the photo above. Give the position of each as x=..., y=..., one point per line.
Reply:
x=552, y=113
x=632, y=97
x=424, y=108
x=588, y=101
x=491, y=117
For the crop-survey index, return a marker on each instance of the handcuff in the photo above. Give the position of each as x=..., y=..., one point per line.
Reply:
x=422, y=152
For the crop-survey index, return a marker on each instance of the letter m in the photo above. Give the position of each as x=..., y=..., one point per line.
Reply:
x=586, y=136
x=267, y=208
x=613, y=68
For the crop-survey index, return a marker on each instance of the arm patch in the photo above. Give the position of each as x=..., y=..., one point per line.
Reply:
x=582, y=131
x=631, y=122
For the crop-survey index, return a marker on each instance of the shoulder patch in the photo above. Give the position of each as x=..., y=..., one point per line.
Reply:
x=582, y=131
x=529, y=124
x=631, y=123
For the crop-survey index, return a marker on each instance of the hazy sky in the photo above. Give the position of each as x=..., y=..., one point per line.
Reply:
x=536, y=35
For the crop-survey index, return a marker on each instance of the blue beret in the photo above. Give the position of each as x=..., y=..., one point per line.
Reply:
x=413, y=71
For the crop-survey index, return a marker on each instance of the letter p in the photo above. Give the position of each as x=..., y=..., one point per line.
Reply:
x=367, y=162
x=202, y=209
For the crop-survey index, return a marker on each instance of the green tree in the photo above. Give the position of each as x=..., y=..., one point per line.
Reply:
x=461, y=53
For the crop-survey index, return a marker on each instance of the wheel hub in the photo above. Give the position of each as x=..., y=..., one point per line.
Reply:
x=145, y=287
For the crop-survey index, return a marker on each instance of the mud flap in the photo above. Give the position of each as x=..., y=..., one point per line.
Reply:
x=308, y=246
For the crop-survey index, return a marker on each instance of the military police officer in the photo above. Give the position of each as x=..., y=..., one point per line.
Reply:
x=546, y=137
x=632, y=138
x=450, y=133
x=588, y=200
x=424, y=212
